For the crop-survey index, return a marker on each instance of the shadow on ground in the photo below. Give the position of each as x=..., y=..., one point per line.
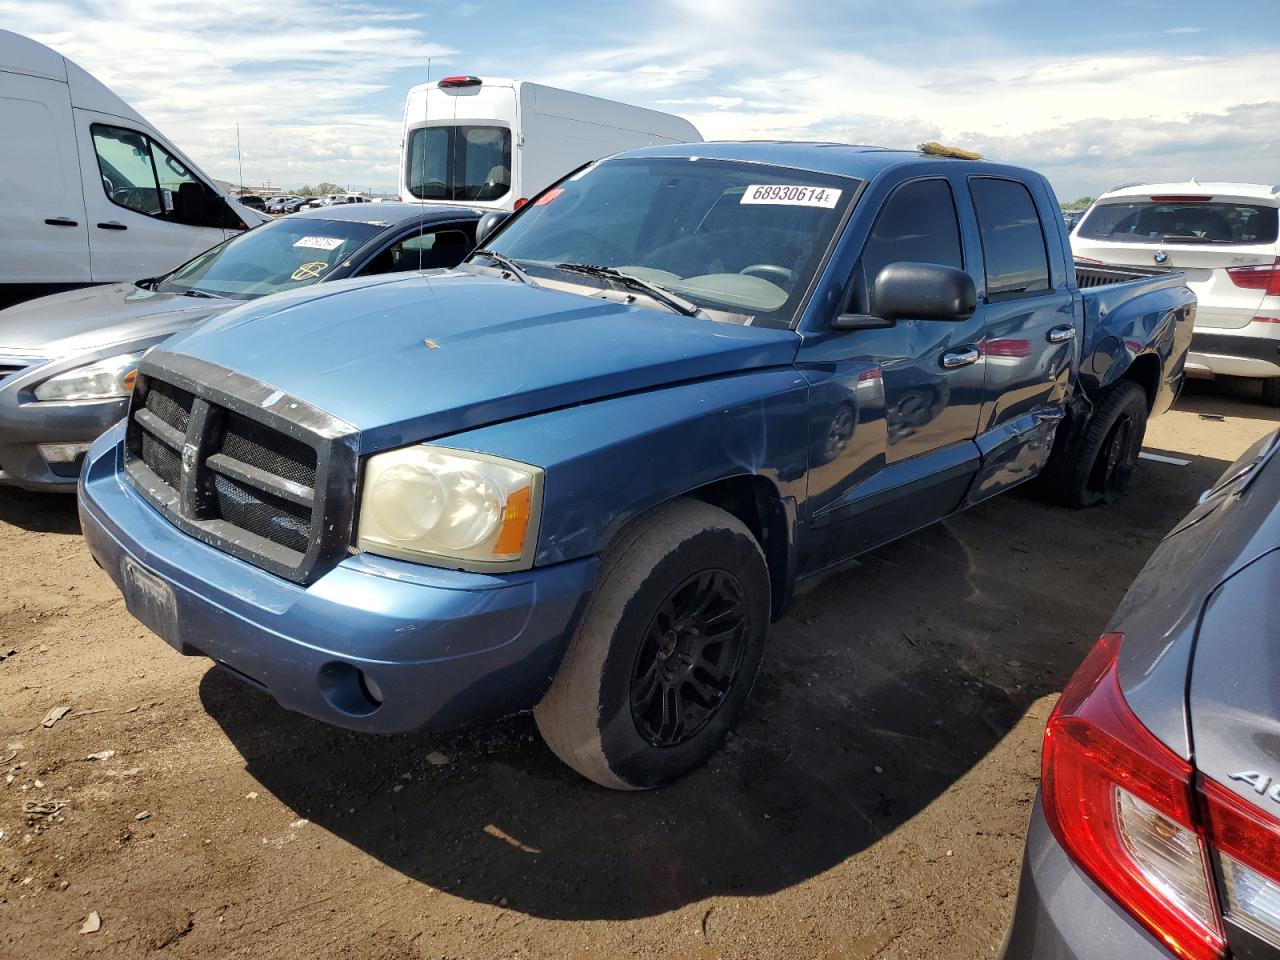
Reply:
x=39, y=512
x=886, y=684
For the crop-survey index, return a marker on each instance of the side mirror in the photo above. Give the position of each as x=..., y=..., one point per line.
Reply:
x=191, y=205
x=490, y=222
x=915, y=291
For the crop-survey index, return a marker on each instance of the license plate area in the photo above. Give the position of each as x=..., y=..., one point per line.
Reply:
x=151, y=601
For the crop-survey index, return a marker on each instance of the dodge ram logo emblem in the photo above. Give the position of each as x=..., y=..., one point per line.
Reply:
x=1161, y=256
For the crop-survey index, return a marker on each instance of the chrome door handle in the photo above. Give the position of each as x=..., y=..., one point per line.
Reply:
x=953, y=359
x=1062, y=334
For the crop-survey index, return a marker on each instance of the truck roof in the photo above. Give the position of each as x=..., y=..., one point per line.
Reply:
x=838, y=159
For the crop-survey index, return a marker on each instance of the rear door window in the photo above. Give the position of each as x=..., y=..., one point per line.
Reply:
x=459, y=163
x=1181, y=221
x=1013, y=247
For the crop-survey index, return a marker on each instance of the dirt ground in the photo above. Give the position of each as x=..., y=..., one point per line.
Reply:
x=871, y=802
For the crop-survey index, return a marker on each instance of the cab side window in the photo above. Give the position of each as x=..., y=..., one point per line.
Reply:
x=429, y=250
x=1012, y=238
x=124, y=160
x=917, y=224
x=140, y=175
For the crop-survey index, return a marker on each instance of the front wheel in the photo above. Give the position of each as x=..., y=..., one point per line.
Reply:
x=1096, y=466
x=666, y=652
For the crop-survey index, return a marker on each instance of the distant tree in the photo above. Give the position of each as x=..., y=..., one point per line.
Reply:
x=1080, y=203
x=320, y=189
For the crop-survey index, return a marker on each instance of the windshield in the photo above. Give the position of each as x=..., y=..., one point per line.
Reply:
x=1185, y=221
x=459, y=163
x=283, y=255
x=740, y=240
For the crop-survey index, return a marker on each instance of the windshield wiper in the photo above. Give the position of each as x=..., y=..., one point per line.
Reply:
x=661, y=294
x=193, y=292
x=507, y=264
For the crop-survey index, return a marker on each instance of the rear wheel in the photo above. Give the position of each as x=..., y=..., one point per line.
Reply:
x=1097, y=465
x=666, y=652
x=1271, y=391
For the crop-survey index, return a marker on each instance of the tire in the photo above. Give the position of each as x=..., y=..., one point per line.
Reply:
x=1095, y=467
x=1271, y=391
x=608, y=713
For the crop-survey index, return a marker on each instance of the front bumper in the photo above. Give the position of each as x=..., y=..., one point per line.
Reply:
x=1236, y=353
x=1061, y=914
x=443, y=648
x=25, y=423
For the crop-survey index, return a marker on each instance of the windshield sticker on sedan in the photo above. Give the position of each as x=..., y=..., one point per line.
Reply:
x=319, y=243
x=309, y=271
x=788, y=196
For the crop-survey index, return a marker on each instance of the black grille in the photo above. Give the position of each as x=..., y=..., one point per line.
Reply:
x=170, y=404
x=258, y=446
x=276, y=492
x=7, y=370
x=262, y=514
x=166, y=463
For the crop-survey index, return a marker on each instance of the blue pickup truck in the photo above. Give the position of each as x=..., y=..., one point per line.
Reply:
x=582, y=473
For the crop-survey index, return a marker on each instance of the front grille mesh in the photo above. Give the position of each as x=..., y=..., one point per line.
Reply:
x=251, y=486
x=259, y=446
x=267, y=516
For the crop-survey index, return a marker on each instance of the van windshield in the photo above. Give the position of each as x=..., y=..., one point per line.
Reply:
x=742, y=241
x=459, y=163
x=283, y=255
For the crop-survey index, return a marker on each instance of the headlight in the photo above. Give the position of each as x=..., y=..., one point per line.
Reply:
x=100, y=380
x=451, y=508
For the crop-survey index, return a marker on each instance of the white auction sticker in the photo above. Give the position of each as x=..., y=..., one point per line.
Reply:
x=319, y=243
x=782, y=194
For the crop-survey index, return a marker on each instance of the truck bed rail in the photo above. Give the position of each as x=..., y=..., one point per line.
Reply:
x=1103, y=274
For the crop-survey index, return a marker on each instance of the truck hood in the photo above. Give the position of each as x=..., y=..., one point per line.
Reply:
x=420, y=356
x=64, y=324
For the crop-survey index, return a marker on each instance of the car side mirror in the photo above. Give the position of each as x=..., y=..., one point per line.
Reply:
x=915, y=291
x=489, y=223
x=191, y=205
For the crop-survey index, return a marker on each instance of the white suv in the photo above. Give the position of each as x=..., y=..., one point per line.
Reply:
x=1226, y=239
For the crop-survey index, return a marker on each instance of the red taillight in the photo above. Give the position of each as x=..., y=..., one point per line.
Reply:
x=1121, y=804
x=1260, y=276
x=460, y=82
x=521, y=202
x=1181, y=198
x=1248, y=845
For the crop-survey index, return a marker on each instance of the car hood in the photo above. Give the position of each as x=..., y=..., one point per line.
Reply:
x=420, y=356
x=94, y=317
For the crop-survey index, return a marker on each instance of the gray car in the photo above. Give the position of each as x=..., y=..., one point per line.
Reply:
x=1156, y=832
x=67, y=361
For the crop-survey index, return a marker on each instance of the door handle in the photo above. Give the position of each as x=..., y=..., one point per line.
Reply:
x=112, y=225
x=1062, y=334
x=954, y=359
x=61, y=222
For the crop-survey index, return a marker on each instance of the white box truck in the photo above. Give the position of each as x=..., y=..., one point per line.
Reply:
x=89, y=191
x=487, y=142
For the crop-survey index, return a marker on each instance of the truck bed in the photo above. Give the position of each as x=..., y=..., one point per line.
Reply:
x=1090, y=275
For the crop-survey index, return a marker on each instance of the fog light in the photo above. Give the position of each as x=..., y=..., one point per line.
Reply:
x=371, y=687
x=62, y=452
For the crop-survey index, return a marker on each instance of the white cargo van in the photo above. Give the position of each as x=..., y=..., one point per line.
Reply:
x=485, y=142
x=89, y=191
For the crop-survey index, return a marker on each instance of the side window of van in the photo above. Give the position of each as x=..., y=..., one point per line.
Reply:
x=124, y=160
x=140, y=175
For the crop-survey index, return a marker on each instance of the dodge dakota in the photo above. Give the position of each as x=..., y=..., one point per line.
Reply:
x=583, y=472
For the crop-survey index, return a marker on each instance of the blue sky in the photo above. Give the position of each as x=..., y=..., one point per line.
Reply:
x=1090, y=93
